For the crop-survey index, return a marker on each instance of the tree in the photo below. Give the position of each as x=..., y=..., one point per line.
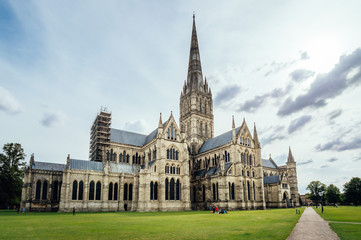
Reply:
x=352, y=191
x=332, y=194
x=11, y=174
x=316, y=187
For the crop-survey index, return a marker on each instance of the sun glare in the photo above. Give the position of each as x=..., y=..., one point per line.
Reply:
x=324, y=52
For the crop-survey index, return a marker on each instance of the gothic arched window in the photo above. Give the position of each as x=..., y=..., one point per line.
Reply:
x=171, y=189
x=38, y=190
x=98, y=191
x=233, y=191
x=217, y=190
x=116, y=191
x=81, y=189
x=214, y=192
x=130, y=191
x=110, y=191
x=166, y=189
x=91, y=191
x=125, y=195
x=55, y=190
x=155, y=191
x=75, y=190
x=45, y=190
x=151, y=191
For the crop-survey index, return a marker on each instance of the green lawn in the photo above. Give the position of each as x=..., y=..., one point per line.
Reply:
x=343, y=214
x=262, y=224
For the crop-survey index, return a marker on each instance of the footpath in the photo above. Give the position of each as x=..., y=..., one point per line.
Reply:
x=311, y=226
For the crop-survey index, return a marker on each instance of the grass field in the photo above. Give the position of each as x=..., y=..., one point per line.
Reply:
x=343, y=214
x=262, y=224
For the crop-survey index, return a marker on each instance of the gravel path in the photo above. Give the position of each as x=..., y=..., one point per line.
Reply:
x=312, y=226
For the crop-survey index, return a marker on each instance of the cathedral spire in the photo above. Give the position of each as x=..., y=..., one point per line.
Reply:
x=290, y=157
x=160, y=124
x=195, y=77
x=233, y=130
x=255, y=137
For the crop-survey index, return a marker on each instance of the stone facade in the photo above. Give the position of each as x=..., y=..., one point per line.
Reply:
x=174, y=168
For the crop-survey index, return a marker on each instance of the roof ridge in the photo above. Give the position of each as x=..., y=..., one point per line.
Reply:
x=121, y=130
x=48, y=162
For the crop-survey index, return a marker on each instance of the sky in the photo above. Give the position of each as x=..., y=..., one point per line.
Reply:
x=291, y=67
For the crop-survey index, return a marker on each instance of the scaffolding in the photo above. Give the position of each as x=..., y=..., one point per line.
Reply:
x=100, y=135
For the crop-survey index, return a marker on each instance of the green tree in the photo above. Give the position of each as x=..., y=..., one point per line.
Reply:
x=332, y=194
x=11, y=174
x=316, y=188
x=352, y=191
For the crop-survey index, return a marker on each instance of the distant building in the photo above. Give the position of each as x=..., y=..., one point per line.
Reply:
x=305, y=200
x=174, y=168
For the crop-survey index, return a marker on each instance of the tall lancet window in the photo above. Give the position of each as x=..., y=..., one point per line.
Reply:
x=171, y=130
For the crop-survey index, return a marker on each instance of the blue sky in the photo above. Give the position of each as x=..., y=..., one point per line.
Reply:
x=291, y=67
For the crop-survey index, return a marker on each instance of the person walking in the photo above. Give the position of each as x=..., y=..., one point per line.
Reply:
x=73, y=211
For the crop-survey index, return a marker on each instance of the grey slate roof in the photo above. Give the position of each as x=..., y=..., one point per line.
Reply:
x=218, y=170
x=48, y=166
x=151, y=163
x=271, y=179
x=218, y=141
x=201, y=173
x=268, y=163
x=227, y=166
x=86, y=165
x=211, y=170
x=123, y=168
x=131, y=138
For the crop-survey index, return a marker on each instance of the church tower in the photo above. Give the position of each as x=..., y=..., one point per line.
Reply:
x=292, y=177
x=196, y=104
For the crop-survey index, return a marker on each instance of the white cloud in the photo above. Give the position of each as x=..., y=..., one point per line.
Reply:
x=8, y=103
x=138, y=126
x=53, y=119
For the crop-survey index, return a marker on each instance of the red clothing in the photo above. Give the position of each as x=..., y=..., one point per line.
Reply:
x=216, y=209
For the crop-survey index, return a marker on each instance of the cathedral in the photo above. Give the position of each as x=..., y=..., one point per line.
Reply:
x=177, y=167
